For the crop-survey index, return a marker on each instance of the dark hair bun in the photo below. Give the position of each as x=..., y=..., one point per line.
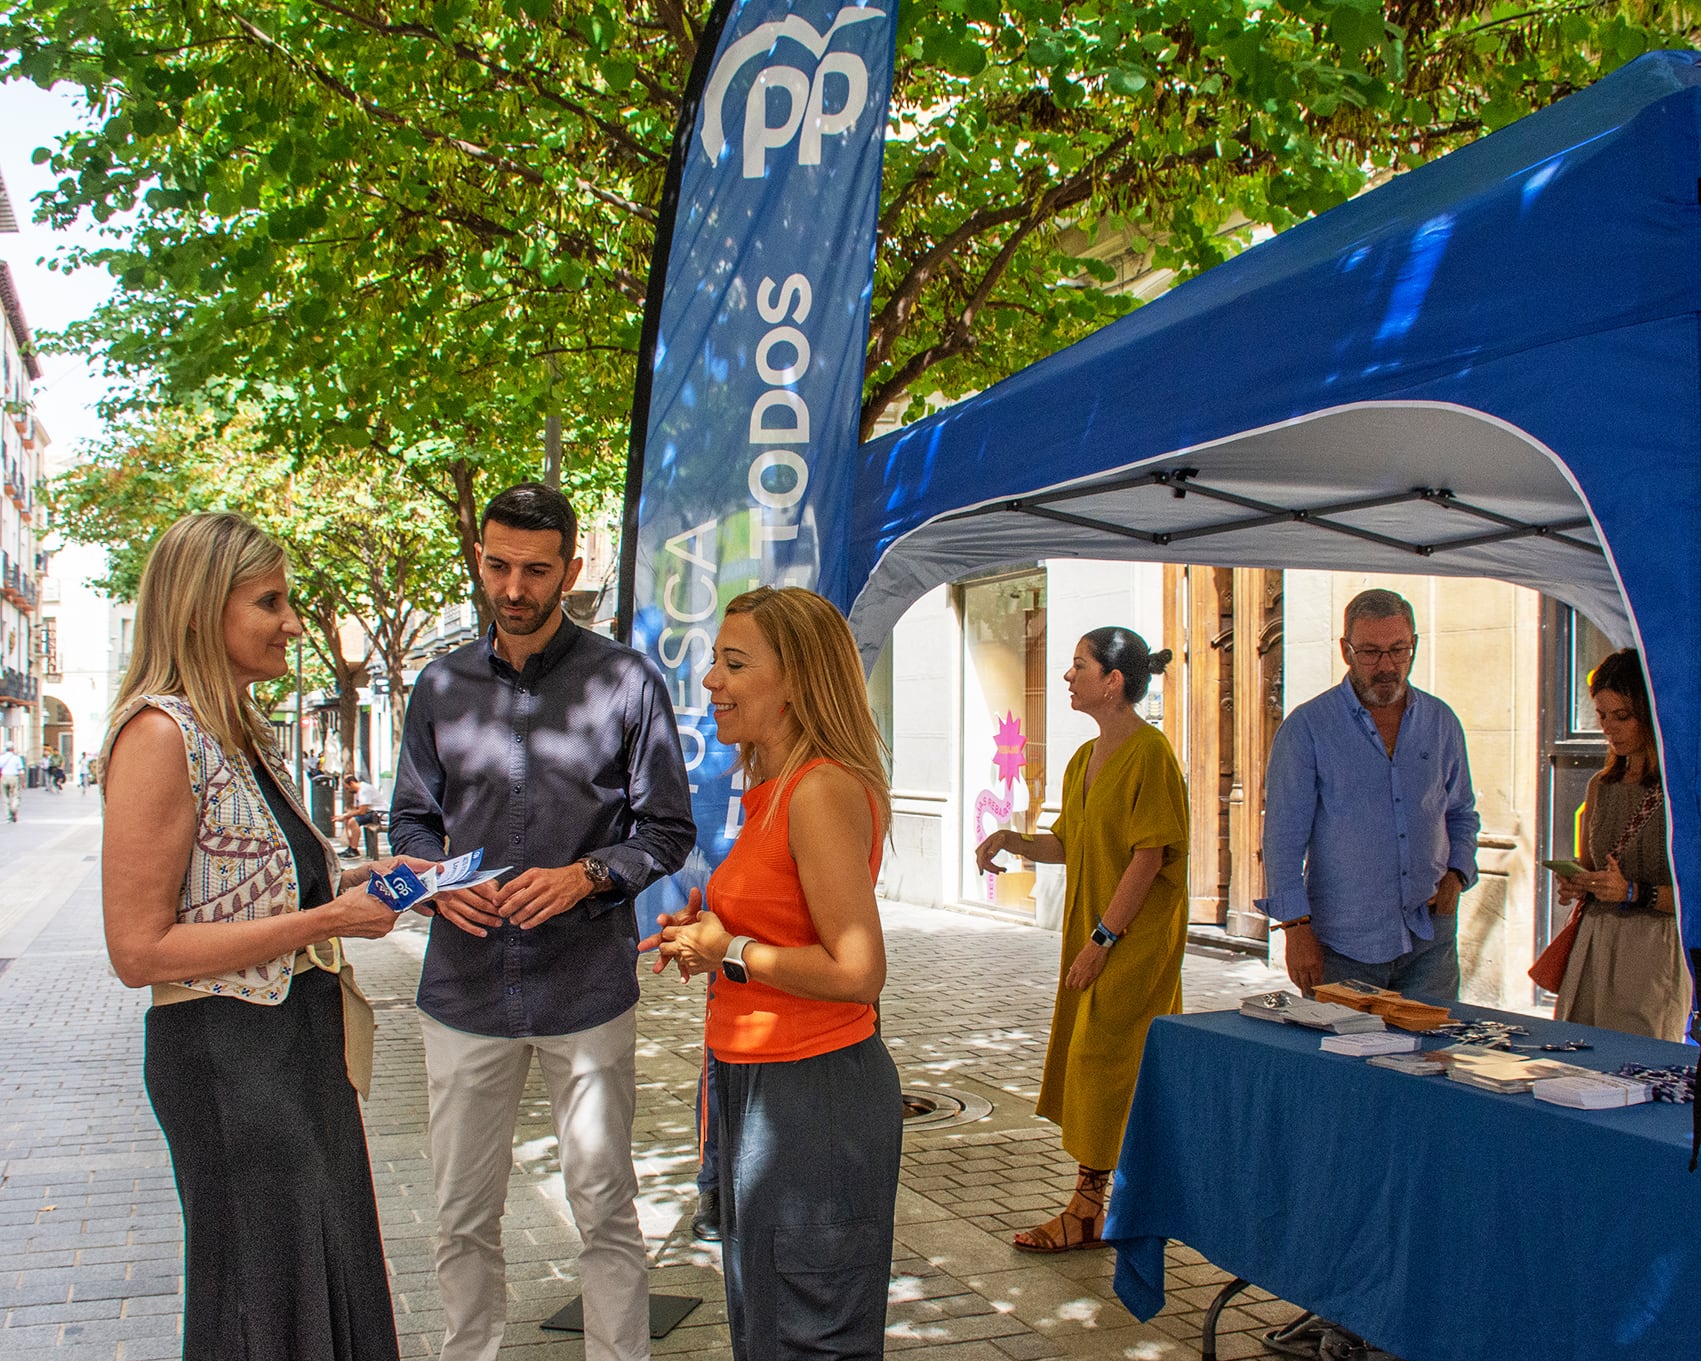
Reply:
x=1120, y=649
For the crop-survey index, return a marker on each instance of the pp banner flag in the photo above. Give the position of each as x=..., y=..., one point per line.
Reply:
x=755, y=329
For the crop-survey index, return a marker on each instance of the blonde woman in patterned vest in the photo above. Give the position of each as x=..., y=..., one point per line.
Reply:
x=221, y=897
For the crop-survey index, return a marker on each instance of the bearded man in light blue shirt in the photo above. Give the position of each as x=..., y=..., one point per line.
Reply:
x=1370, y=824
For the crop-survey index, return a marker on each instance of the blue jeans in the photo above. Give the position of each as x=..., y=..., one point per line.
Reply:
x=1429, y=969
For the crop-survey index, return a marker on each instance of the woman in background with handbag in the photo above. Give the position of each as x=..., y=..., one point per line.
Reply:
x=1626, y=970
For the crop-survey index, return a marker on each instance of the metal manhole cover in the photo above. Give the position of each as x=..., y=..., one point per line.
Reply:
x=936, y=1107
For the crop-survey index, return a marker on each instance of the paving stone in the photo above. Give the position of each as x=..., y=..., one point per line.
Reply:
x=954, y=1351
x=1028, y=1347
x=139, y=1306
x=29, y=1341
x=1184, y=1327
x=1271, y=1313
x=1202, y=1274
x=151, y=1349
x=1239, y=1347
x=77, y=1134
x=35, y=1288
x=119, y=1329
x=79, y=1311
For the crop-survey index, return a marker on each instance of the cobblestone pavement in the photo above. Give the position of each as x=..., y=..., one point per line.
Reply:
x=91, y=1242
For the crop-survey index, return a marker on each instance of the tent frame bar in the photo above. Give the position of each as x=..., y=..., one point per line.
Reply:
x=1182, y=481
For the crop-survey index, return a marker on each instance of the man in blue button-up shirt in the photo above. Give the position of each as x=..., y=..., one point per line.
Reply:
x=555, y=751
x=1370, y=825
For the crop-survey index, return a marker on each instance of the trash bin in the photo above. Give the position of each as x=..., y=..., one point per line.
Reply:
x=324, y=802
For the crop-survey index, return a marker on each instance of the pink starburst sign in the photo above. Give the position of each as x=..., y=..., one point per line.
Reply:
x=1010, y=757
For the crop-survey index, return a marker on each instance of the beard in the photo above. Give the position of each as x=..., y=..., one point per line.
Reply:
x=1381, y=690
x=535, y=617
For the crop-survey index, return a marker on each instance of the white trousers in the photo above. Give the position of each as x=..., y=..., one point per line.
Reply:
x=476, y=1082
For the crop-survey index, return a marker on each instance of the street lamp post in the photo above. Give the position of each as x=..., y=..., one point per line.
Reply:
x=298, y=720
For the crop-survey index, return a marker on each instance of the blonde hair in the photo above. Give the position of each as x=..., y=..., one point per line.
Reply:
x=829, y=694
x=180, y=648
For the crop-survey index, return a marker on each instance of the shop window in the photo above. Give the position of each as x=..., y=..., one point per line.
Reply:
x=1004, y=737
x=1586, y=645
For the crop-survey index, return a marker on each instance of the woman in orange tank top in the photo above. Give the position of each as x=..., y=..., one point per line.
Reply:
x=810, y=1118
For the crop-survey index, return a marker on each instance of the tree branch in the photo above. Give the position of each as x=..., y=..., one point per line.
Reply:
x=527, y=77
x=330, y=83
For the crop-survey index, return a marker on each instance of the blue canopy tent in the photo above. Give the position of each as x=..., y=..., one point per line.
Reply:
x=1489, y=366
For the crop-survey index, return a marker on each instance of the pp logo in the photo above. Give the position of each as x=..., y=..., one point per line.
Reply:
x=807, y=117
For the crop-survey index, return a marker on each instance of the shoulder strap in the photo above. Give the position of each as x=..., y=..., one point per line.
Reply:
x=1639, y=819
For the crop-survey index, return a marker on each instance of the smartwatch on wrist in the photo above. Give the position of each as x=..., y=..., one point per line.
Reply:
x=1103, y=937
x=732, y=963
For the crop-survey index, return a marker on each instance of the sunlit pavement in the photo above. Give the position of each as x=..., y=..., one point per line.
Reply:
x=90, y=1241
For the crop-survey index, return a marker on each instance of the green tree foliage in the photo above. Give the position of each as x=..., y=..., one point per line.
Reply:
x=363, y=542
x=418, y=227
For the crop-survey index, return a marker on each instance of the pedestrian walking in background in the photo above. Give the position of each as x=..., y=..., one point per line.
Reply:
x=83, y=773
x=555, y=751
x=1122, y=839
x=12, y=781
x=810, y=1113
x=1370, y=824
x=1627, y=970
x=220, y=895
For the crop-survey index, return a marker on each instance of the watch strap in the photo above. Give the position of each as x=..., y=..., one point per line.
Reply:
x=735, y=956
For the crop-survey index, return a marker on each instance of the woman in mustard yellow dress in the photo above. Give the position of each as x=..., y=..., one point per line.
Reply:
x=1122, y=839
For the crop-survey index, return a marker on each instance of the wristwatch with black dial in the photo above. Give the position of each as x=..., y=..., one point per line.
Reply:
x=732, y=963
x=602, y=880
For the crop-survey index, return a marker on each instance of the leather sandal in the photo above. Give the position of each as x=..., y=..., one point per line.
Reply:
x=1081, y=1225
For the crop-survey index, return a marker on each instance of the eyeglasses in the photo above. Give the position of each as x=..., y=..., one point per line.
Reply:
x=1399, y=654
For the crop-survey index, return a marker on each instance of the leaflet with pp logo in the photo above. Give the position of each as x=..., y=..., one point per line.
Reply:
x=401, y=888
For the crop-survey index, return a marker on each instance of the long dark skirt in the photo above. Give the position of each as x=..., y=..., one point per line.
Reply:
x=809, y=1155
x=281, y=1248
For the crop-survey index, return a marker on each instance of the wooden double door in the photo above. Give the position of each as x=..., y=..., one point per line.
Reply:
x=1227, y=705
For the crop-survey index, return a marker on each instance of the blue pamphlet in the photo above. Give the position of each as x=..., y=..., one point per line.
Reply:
x=402, y=888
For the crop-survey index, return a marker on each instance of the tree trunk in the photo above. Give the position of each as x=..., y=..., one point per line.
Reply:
x=398, y=703
x=328, y=643
x=466, y=523
x=348, y=719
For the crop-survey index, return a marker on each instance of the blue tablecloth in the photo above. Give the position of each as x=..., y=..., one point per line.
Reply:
x=1437, y=1220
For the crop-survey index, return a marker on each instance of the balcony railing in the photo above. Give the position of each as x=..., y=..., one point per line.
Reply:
x=17, y=686
x=16, y=584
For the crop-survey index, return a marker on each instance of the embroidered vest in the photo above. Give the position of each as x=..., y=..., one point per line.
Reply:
x=240, y=867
